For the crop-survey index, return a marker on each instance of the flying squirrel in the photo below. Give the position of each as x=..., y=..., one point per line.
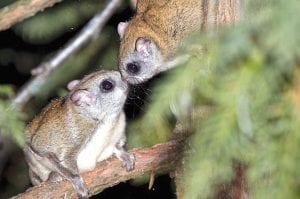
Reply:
x=150, y=39
x=73, y=133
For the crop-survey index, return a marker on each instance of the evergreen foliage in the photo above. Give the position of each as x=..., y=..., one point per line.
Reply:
x=11, y=121
x=248, y=75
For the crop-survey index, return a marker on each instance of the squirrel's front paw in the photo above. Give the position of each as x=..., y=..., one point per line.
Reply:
x=128, y=160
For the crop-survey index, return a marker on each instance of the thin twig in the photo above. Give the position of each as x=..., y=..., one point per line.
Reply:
x=161, y=158
x=21, y=10
x=151, y=180
x=45, y=69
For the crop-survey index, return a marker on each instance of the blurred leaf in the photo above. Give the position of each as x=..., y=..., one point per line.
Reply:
x=54, y=22
x=6, y=2
x=11, y=121
x=244, y=74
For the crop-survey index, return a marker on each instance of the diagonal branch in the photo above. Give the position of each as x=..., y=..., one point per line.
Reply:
x=45, y=69
x=161, y=158
x=21, y=10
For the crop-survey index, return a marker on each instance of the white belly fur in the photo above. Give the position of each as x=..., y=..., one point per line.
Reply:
x=102, y=144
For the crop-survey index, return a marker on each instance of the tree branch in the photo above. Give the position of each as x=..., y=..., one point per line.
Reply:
x=160, y=158
x=45, y=69
x=21, y=10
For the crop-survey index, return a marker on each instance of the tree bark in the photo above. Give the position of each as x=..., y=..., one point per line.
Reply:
x=161, y=158
x=20, y=10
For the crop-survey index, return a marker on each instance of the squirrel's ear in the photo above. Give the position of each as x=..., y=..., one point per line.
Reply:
x=82, y=97
x=121, y=28
x=142, y=46
x=72, y=84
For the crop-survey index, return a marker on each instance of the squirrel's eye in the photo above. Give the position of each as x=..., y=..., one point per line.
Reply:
x=133, y=68
x=107, y=85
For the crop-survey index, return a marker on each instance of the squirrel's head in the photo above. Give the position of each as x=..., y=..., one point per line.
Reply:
x=99, y=94
x=140, y=57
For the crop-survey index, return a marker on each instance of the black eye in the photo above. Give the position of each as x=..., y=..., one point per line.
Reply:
x=133, y=68
x=107, y=85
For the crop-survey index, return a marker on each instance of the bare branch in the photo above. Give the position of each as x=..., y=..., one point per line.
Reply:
x=161, y=158
x=21, y=10
x=45, y=69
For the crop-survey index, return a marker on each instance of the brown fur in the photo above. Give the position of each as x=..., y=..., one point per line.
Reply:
x=72, y=134
x=166, y=23
x=54, y=113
